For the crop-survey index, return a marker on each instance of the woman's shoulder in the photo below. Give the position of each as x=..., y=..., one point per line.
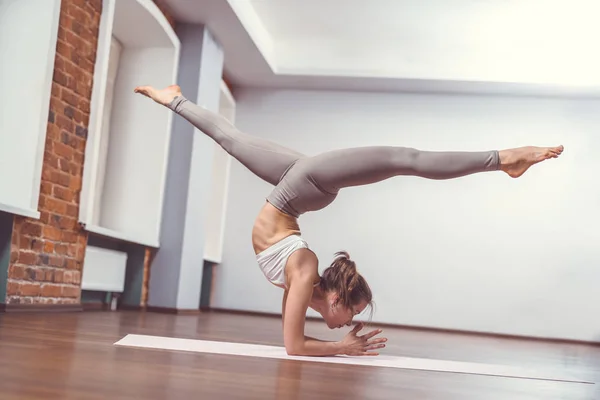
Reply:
x=306, y=256
x=303, y=262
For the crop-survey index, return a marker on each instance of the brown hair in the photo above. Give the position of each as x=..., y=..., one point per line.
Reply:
x=343, y=278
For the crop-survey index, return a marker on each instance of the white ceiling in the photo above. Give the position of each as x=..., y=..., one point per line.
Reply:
x=146, y=32
x=507, y=46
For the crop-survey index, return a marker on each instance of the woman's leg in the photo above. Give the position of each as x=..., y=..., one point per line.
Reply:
x=366, y=165
x=265, y=159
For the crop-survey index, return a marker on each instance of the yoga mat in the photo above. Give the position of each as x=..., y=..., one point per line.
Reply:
x=262, y=351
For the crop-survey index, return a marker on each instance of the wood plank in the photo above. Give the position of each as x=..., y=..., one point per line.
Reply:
x=72, y=356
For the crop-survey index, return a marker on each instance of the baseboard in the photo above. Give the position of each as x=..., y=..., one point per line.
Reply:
x=129, y=307
x=492, y=335
x=40, y=308
x=421, y=328
x=169, y=310
x=246, y=313
x=95, y=306
x=98, y=306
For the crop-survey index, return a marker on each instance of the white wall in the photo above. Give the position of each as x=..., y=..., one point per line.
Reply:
x=483, y=253
x=116, y=49
x=176, y=278
x=28, y=35
x=136, y=155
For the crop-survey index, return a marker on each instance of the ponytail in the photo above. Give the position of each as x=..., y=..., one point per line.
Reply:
x=343, y=278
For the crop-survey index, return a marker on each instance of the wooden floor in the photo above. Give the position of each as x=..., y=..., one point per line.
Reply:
x=72, y=356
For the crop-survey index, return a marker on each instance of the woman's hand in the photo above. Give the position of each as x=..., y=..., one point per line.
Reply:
x=354, y=345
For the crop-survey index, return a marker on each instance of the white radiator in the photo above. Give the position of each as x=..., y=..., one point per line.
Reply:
x=104, y=270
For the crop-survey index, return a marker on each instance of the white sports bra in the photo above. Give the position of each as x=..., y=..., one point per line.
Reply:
x=272, y=260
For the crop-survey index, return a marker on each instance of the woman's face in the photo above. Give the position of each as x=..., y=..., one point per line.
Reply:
x=338, y=316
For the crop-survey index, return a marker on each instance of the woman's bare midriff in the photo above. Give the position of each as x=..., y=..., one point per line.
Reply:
x=271, y=226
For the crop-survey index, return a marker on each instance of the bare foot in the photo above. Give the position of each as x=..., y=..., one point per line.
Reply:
x=164, y=96
x=516, y=161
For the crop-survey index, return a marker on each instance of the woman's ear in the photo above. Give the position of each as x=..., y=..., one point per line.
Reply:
x=334, y=300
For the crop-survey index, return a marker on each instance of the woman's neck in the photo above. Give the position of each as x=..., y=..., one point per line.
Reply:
x=319, y=302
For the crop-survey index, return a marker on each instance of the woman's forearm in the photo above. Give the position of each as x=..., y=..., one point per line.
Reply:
x=316, y=347
x=312, y=338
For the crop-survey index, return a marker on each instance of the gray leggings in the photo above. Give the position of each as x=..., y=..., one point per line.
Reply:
x=309, y=183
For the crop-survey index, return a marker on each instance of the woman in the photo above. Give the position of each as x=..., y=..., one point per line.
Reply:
x=304, y=184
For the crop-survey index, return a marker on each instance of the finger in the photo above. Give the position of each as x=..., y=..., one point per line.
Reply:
x=371, y=334
x=369, y=353
x=375, y=341
x=357, y=328
x=374, y=346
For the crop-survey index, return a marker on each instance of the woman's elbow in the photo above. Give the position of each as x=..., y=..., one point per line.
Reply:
x=294, y=350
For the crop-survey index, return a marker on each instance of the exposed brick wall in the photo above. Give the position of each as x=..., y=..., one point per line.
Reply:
x=148, y=259
x=47, y=254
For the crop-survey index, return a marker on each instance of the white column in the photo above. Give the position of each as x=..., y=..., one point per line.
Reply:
x=176, y=274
